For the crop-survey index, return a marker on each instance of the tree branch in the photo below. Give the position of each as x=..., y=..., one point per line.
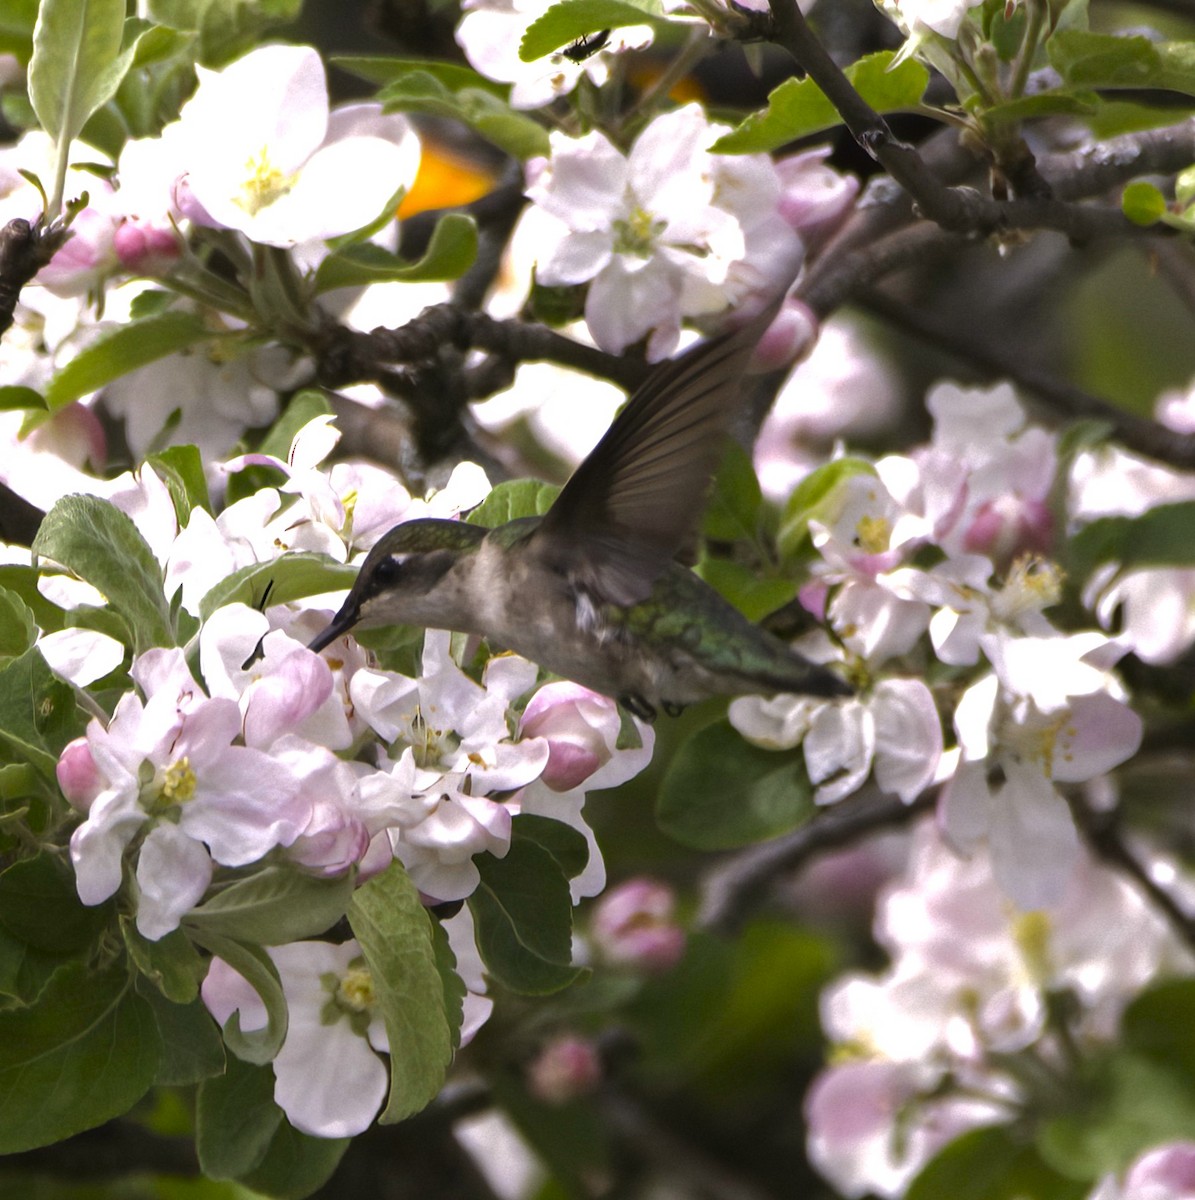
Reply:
x=955, y=209
x=1101, y=830
x=736, y=887
x=1064, y=400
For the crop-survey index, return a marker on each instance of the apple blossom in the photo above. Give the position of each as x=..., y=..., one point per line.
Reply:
x=1046, y=714
x=665, y=232
x=328, y=1078
x=264, y=156
x=968, y=988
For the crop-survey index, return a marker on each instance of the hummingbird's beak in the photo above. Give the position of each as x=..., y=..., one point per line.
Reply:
x=340, y=624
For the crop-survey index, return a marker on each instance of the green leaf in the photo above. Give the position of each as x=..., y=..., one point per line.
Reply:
x=513, y=499
x=992, y=1164
x=395, y=934
x=798, y=107
x=258, y=1045
x=97, y=542
x=77, y=62
x=753, y=595
x=1158, y=1025
x=38, y=714
x=235, y=1120
x=273, y=906
x=40, y=907
x=294, y=575
x=181, y=467
x=815, y=498
x=17, y=18
x=1159, y=537
x=732, y=514
x=523, y=913
x=302, y=410
x=720, y=792
x=18, y=629
x=191, y=1047
x=383, y=69
x=1104, y=60
x=124, y=350
x=14, y=397
x=85, y=1051
x=479, y=108
x=295, y=1164
x=171, y=963
x=1142, y=203
x=574, y=19
x=564, y=843
x=450, y=254
x=1123, y=1105
x=450, y=980
x=226, y=28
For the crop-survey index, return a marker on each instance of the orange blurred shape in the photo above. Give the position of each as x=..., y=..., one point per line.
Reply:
x=445, y=180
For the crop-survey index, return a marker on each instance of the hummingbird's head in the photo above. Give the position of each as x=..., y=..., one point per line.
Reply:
x=400, y=571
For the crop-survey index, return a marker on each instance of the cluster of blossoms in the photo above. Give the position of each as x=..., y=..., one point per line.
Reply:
x=271, y=753
x=970, y=1016
x=1045, y=707
x=670, y=230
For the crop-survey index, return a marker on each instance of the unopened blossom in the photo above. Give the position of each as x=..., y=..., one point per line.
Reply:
x=265, y=157
x=567, y=1066
x=985, y=476
x=1048, y=713
x=1166, y=1172
x=328, y=1078
x=635, y=924
x=580, y=726
x=490, y=33
x=667, y=231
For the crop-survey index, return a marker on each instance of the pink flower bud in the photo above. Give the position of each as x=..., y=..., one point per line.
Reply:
x=145, y=249
x=815, y=198
x=78, y=775
x=633, y=925
x=1009, y=526
x=86, y=256
x=1166, y=1173
x=581, y=728
x=788, y=339
x=565, y=1068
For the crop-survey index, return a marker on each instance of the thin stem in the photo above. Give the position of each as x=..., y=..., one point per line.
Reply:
x=1024, y=64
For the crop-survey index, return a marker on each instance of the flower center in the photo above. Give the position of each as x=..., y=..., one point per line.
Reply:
x=873, y=534
x=1031, y=932
x=1033, y=583
x=178, y=782
x=355, y=991
x=636, y=235
x=265, y=183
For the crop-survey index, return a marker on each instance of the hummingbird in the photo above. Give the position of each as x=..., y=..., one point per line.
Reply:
x=591, y=590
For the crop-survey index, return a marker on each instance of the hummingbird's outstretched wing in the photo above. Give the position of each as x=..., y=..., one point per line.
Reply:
x=628, y=507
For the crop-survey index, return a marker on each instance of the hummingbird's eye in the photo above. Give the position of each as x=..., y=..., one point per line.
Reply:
x=387, y=571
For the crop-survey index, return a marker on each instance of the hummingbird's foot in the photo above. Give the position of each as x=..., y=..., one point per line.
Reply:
x=672, y=709
x=638, y=707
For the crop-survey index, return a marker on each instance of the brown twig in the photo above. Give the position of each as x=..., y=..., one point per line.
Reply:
x=735, y=888
x=1102, y=832
x=1063, y=400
